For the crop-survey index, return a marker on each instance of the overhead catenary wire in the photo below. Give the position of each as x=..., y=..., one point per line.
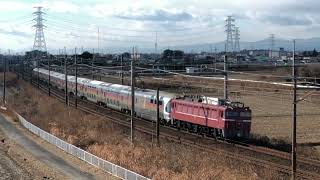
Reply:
x=230, y=79
x=81, y=33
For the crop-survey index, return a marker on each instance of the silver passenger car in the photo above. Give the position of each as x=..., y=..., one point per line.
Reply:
x=114, y=96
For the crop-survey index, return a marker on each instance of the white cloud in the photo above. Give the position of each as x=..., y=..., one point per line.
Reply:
x=257, y=19
x=8, y=6
x=59, y=6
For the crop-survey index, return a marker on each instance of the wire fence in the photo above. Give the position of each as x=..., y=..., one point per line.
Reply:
x=109, y=167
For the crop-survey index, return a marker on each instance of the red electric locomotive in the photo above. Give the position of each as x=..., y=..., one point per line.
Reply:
x=229, y=120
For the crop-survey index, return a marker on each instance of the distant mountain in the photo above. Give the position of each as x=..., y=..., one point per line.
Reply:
x=301, y=45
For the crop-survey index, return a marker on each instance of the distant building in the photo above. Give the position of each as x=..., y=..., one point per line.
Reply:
x=258, y=52
x=191, y=70
x=274, y=54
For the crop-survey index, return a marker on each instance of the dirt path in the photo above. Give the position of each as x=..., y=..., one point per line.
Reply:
x=29, y=160
x=16, y=163
x=8, y=168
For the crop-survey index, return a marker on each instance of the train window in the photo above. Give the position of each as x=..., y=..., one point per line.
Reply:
x=232, y=114
x=245, y=114
x=155, y=101
x=160, y=103
x=221, y=114
x=151, y=101
x=168, y=108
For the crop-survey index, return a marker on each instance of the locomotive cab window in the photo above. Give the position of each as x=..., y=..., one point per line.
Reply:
x=232, y=114
x=168, y=108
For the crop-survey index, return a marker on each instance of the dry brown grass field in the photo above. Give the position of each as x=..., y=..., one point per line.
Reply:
x=111, y=142
x=271, y=104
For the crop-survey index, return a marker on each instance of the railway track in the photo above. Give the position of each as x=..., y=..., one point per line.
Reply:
x=262, y=157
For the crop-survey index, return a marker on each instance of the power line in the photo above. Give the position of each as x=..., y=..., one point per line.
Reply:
x=17, y=19
x=72, y=25
x=134, y=30
x=194, y=35
x=231, y=79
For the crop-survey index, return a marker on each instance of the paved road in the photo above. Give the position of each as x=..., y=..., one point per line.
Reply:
x=40, y=153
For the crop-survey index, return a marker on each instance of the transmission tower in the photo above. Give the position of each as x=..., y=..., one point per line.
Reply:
x=156, y=44
x=237, y=39
x=39, y=41
x=272, y=37
x=229, y=31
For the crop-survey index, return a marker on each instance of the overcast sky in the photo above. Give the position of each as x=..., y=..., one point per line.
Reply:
x=124, y=23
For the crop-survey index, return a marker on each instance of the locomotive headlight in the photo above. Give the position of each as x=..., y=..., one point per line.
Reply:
x=238, y=134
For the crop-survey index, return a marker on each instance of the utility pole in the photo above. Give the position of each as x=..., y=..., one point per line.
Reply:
x=121, y=69
x=215, y=59
x=225, y=76
x=294, y=116
x=9, y=59
x=66, y=76
x=49, y=69
x=211, y=55
x=38, y=73
x=4, y=80
x=76, y=71
x=93, y=57
x=98, y=50
x=22, y=66
x=158, y=118
x=156, y=44
x=132, y=94
x=30, y=72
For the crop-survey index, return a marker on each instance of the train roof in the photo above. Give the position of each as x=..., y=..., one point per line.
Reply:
x=106, y=85
x=199, y=104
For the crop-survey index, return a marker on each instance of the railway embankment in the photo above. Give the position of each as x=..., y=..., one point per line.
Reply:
x=109, y=141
